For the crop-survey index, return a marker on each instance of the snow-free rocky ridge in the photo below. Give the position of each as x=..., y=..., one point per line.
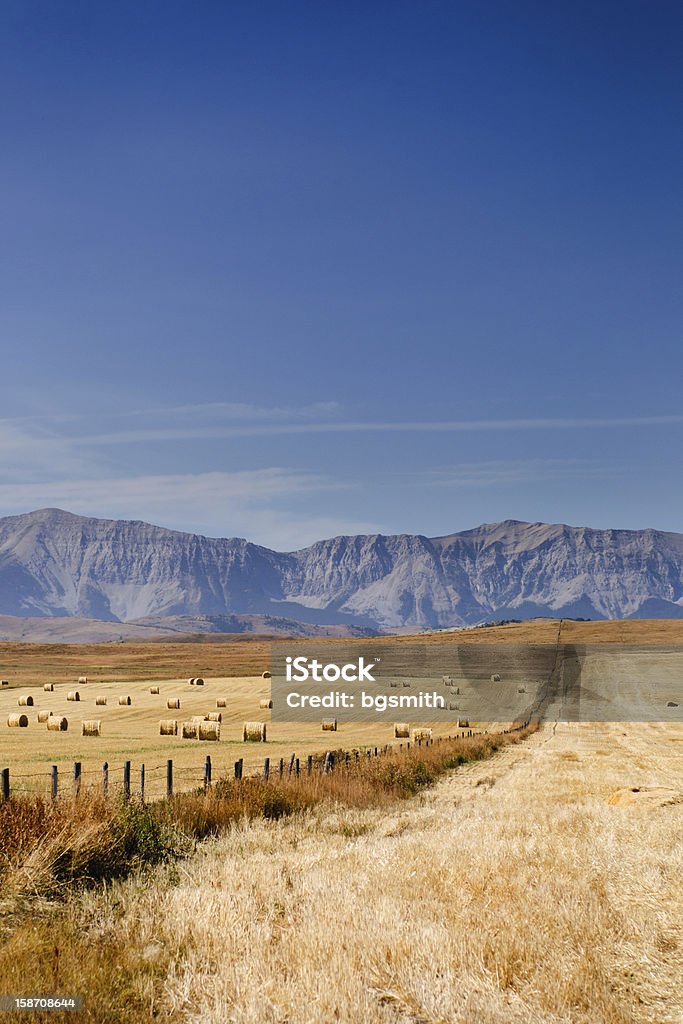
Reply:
x=53, y=563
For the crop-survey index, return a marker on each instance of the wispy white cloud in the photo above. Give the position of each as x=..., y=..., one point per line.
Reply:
x=207, y=432
x=269, y=506
x=509, y=472
x=29, y=452
x=222, y=421
x=235, y=411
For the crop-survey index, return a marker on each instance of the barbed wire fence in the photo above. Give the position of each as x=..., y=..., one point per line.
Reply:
x=120, y=779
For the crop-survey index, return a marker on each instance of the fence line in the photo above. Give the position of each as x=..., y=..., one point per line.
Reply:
x=285, y=769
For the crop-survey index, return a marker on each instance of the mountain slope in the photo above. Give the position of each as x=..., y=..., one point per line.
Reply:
x=53, y=563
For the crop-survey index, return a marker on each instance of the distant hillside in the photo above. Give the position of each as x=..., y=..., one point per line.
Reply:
x=75, y=630
x=53, y=563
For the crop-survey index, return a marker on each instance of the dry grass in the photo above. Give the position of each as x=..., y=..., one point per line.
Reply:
x=230, y=655
x=87, y=838
x=514, y=891
x=534, y=900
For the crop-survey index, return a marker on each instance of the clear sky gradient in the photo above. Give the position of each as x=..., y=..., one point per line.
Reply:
x=288, y=270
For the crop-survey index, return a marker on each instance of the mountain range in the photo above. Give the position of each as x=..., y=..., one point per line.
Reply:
x=54, y=563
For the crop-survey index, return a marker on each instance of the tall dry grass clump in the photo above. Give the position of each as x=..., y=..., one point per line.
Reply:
x=49, y=845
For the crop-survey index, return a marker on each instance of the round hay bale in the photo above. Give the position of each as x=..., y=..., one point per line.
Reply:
x=49, y=687
x=82, y=680
x=406, y=683
x=221, y=702
x=329, y=725
x=463, y=723
x=43, y=716
x=100, y=701
x=521, y=689
x=73, y=695
x=125, y=701
x=154, y=689
x=453, y=706
x=447, y=680
x=209, y=731
x=168, y=727
x=57, y=723
x=254, y=732
x=17, y=721
x=4, y=682
x=420, y=734
x=91, y=727
x=25, y=702
x=401, y=730
x=265, y=675
x=671, y=704
x=265, y=704
x=198, y=718
x=191, y=681
x=173, y=703
x=199, y=681
x=495, y=678
x=214, y=716
x=393, y=683
x=189, y=730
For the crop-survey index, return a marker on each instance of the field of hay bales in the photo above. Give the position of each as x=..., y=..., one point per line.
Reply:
x=131, y=732
x=232, y=671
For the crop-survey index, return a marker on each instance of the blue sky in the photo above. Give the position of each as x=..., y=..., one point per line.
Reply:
x=290, y=270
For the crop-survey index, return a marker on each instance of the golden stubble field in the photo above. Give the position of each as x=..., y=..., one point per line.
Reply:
x=232, y=670
x=542, y=887
x=132, y=733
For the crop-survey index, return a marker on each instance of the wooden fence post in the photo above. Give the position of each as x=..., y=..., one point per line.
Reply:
x=77, y=778
x=126, y=780
x=309, y=764
x=282, y=766
x=297, y=767
x=169, y=779
x=105, y=779
x=54, y=774
x=4, y=784
x=207, y=772
x=291, y=765
x=142, y=783
x=266, y=769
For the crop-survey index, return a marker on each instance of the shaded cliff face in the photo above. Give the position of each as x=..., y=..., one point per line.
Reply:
x=55, y=563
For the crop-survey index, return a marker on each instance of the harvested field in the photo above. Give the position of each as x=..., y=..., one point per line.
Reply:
x=132, y=732
x=470, y=905
x=224, y=655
